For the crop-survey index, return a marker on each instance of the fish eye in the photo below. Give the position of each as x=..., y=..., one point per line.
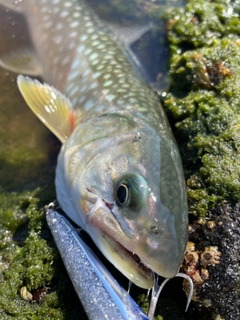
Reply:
x=131, y=192
x=122, y=194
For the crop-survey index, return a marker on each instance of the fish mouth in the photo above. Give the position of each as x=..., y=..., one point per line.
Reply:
x=129, y=263
x=108, y=236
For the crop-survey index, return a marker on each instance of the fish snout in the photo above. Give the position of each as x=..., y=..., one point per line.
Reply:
x=160, y=250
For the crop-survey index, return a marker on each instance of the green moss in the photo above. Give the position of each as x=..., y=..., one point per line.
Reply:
x=29, y=258
x=200, y=22
x=204, y=101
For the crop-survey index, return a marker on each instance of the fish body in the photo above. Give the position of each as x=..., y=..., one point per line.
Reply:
x=119, y=174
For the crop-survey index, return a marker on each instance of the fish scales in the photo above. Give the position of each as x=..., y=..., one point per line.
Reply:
x=95, y=73
x=119, y=174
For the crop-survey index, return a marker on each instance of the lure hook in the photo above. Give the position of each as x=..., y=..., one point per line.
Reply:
x=156, y=290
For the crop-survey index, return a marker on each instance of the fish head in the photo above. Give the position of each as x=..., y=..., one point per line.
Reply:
x=133, y=203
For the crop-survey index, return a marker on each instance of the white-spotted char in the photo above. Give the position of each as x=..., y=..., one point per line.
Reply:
x=119, y=174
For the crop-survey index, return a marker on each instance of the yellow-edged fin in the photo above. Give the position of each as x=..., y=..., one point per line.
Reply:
x=23, y=60
x=50, y=105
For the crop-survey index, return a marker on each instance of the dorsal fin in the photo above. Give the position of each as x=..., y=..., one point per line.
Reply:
x=52, y=107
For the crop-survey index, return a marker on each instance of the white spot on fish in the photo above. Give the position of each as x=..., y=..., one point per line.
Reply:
x=95, y=43
x=106, y=76
x=74, y=101
x=90, y=30
x=83, y=37
x=53, y=95
x=86, y=72
x=94, y=37
x=59, y=26
x=78, y=8
x=74, y=90
x=80, y=49
x=99, y=108
x=58, y=39
x=70, y=86
x=96, y=61
x=47, y=109
x=48, y=24
x=65, y=60
x=122, y=80
x=105, y=91
x=93, y=56
x=55, y=1
x=120, y=102
x=88, y=105
x=88, y=24
x=101, y=46
x=82, y=99
x=76, y=14
x=108, y=57
x=74, y=24
x=93, y=85
x=108, y=83
x=56, y=10
x=72, y=75
x=73, y=34
x=64, y=14
x=83, y=88
x=88, y=51
x=100, y=67
x=110, y=97
x=96, y=74
x=67, y=4
x=75, y=64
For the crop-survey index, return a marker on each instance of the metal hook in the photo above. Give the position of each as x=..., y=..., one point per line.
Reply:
x=156, y=290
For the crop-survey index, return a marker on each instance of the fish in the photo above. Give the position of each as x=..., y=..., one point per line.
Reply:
x=119, y=174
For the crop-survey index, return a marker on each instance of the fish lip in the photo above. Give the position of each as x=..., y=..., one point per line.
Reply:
x=133, y=256
x=135, y=261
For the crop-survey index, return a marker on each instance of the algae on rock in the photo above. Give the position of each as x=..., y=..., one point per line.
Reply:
x=30, y=260
x=206, y=111
x=203, y=104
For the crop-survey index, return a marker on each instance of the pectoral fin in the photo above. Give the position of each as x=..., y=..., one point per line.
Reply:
x=23, y=60
x=51, y=106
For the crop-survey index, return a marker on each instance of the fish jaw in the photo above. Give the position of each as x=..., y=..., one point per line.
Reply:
x=137, y=257
x=102, y=234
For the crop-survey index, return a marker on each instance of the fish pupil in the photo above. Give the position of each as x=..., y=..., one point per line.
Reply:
x=122, y=193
